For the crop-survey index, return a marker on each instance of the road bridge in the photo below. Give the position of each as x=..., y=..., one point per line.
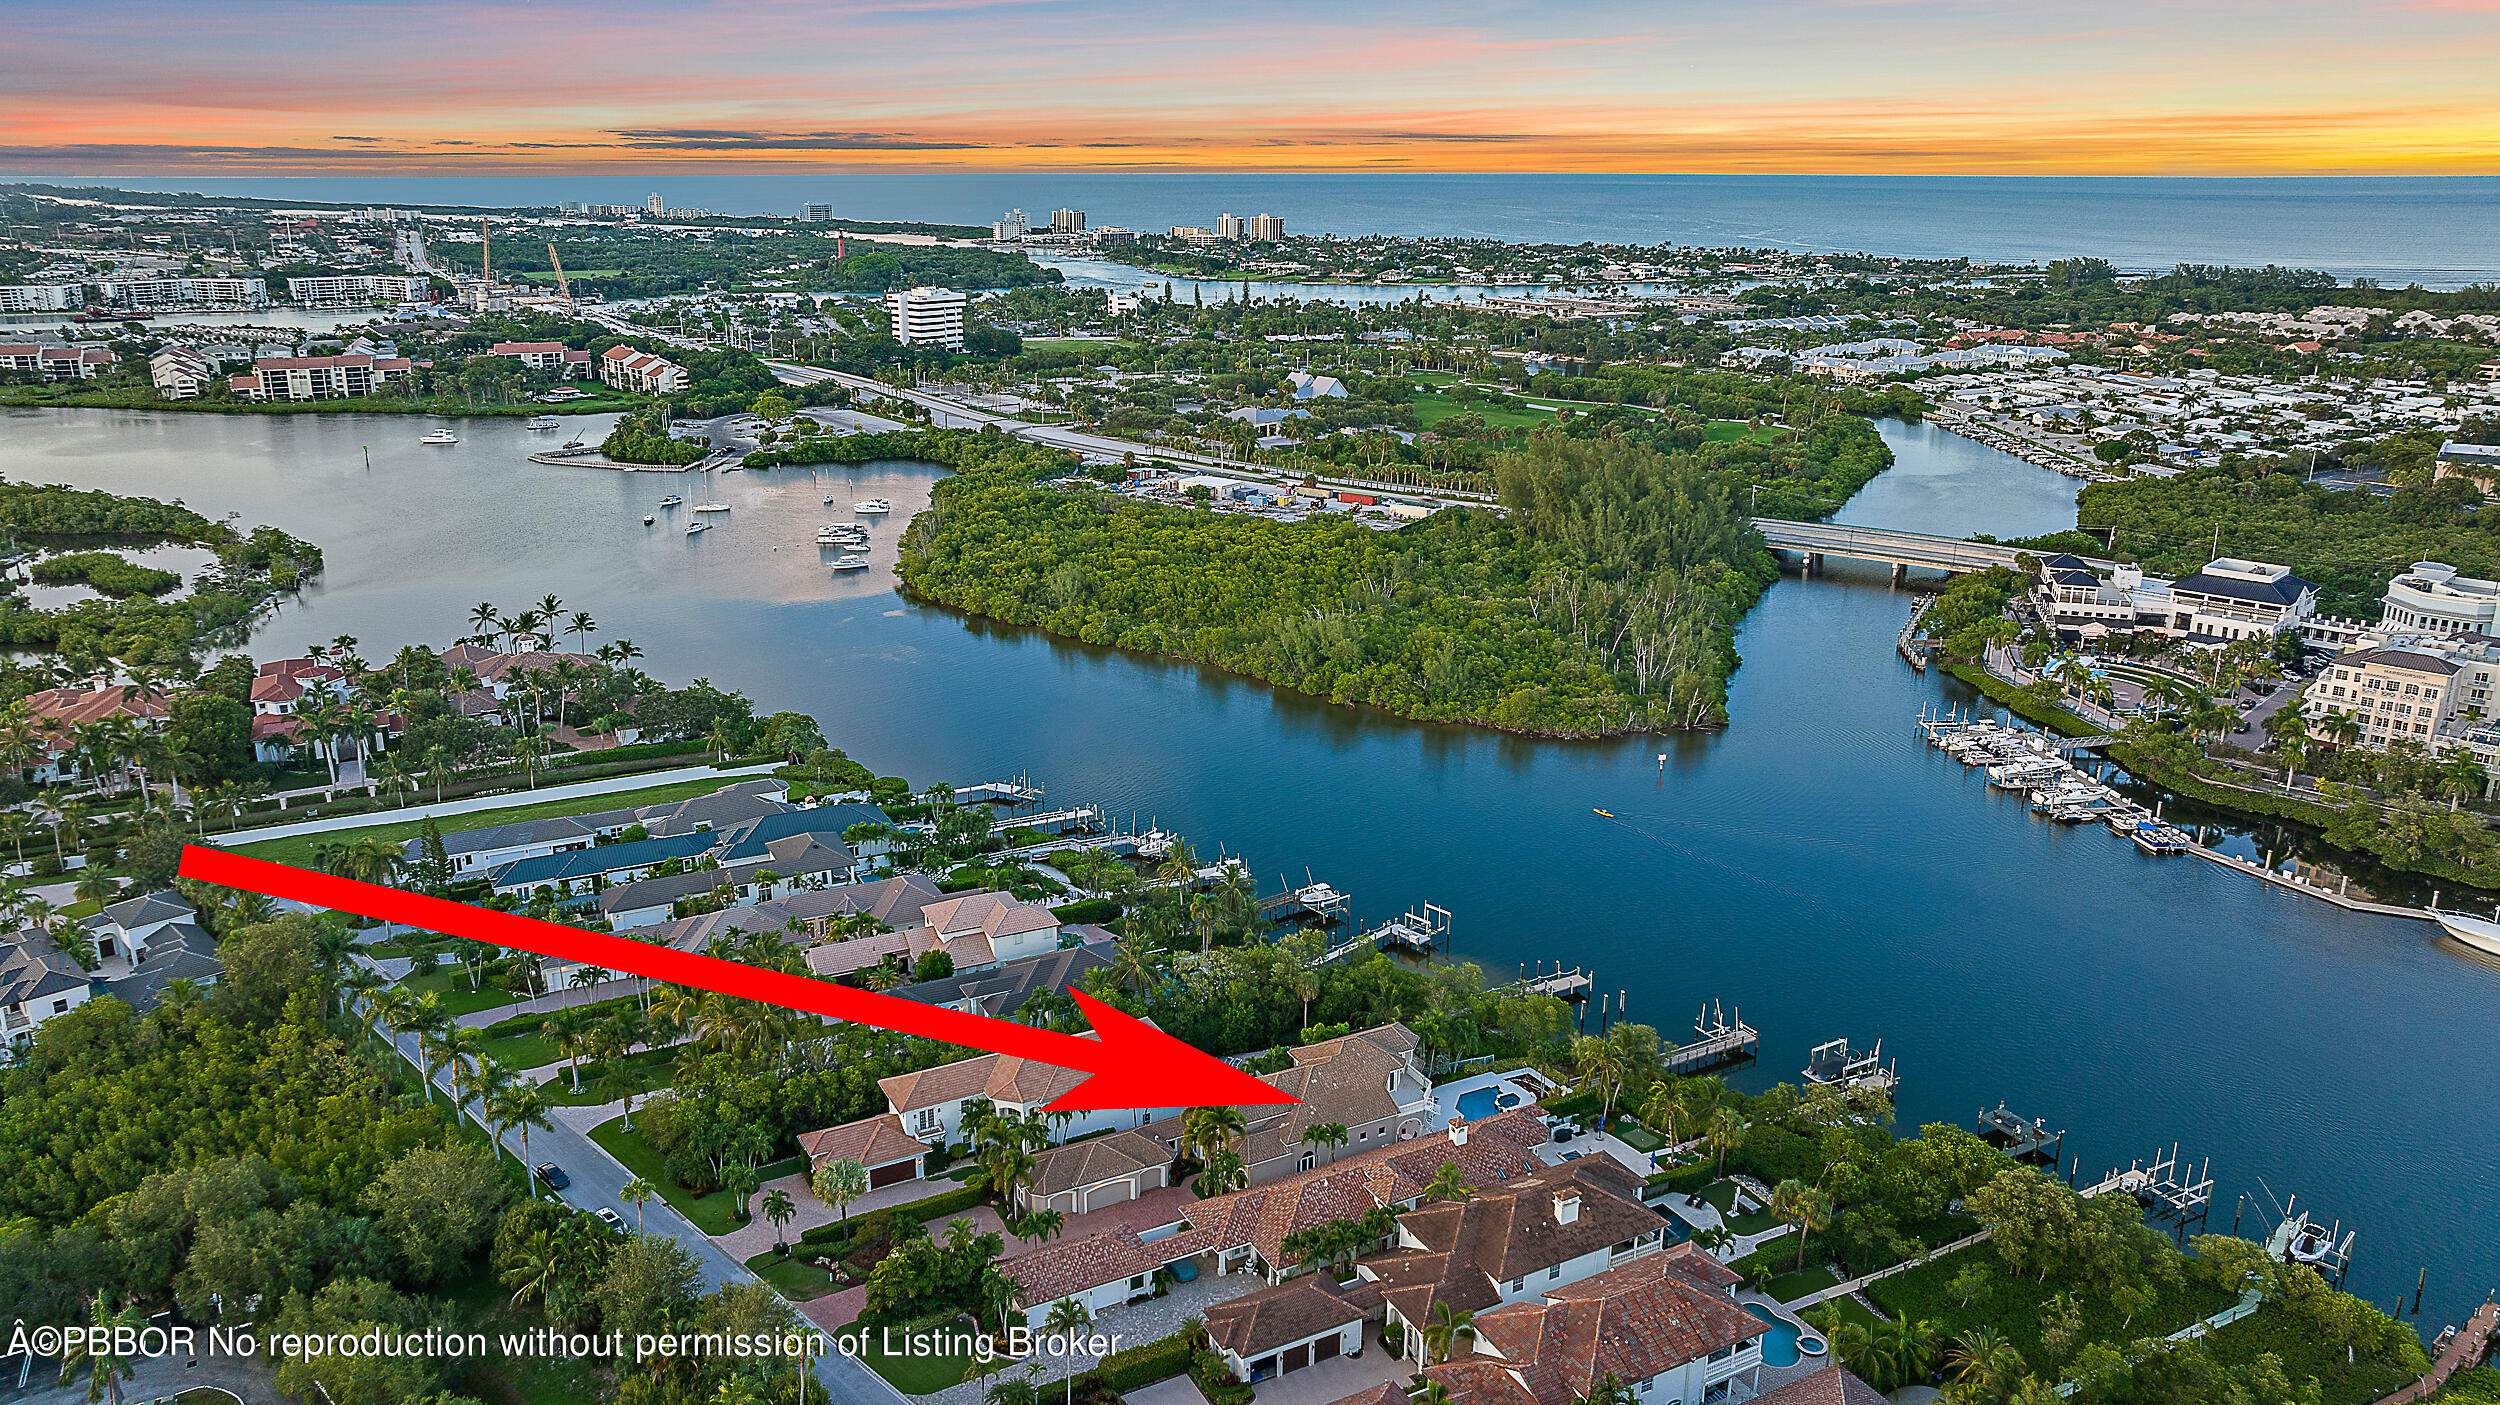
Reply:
x=1899, y=550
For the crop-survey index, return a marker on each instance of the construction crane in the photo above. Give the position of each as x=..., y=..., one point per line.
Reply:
x=561, y=286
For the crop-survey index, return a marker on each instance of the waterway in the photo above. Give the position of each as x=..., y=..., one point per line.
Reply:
x=1815, y=864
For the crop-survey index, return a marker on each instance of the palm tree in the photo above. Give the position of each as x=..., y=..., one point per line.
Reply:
x=579, y=626
x=738, y=1178
x=1710, y=1239
x=1804, y=1206
x=1068, y=1318
x=522, y=1105
x=99, y=1351
x=535, y=1269
x=840, y=1183
x=2461, y=776
x=1660, y=1110
x=1981, y=1359
x=568, y=1030
x=1602, y=1060
x=1442, y=1330
x=1132, y=965
x=1328, y=1134
x=1207, y=1130
x=638, y=1193
x=1726, y=1132
x=780, y=1209
x=1448, y=1183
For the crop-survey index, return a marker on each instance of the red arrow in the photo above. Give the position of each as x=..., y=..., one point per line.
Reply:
x=1132, y=1063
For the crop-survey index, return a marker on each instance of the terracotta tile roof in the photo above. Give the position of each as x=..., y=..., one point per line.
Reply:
x=871, y=1141
x=1383, y=1393
x=1258, y=1323
x=994, y=1076
x=1833, y=1385
x=994, y=915
x=1631, y=1322
x=1095, y=1160
x=1066, y=1267
x=1512, y=1230
x=73, y=706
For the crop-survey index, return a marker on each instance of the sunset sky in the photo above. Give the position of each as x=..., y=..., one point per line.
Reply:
x=2210, y=87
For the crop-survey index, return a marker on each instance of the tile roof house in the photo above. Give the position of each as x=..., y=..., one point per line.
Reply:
x=1282, y=1329
x=123, y=930
x=1644, y=1323
x=1367, y=1082
x=1098, y=1171
x=1513, y=1241
x=595, y=866
x=1000, y=991
x=1101, y=1271
x=37, y=981
x=180, y=951
x=879, y=1143
x=479, y=851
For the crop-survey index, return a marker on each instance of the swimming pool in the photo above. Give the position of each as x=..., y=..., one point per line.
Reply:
x=1783, y=1345
x=1478, y=1103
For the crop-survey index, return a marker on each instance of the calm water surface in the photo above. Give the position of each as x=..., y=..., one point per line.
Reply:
x=1815, y=864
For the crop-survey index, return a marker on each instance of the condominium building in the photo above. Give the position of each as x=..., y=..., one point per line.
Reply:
x=816, y=212
x=628, y=369
x=357, y=290
x=553, y=357
x=2406, y=690
x=1228, y=226
x=141, y=294
x=318, y=377
x=1267, y=229
x=43, y=297
x=654, y=205
x=1010, y=225
x=928, y=317
x=1067, y=221
x=55, y=363
x=2433, y=597
x=181, y=373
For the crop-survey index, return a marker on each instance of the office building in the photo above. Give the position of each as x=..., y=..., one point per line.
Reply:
x=2434, y=598
x=815, y=212
x=928, y=317
x=1267, y=229
x=1067, y=221
x=43, y=297
x=1228, y=226
x=357, y=290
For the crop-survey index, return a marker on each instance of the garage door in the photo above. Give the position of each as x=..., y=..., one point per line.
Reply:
x=1296, y=1357
x=1102, y=1195
x=1324, y=1348
x=889, y=1174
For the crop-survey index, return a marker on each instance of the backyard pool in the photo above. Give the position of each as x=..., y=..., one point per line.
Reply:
x=1477, y=1103
x=1784, y=1344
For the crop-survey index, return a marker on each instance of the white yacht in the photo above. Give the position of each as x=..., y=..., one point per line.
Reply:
x=671, y=500
x=440, y=436
x=872, y=506
x=2479, y=933
x=694, y=527
x=545, y=422
x=850, y=563
x=831, y=535
x=711, y=507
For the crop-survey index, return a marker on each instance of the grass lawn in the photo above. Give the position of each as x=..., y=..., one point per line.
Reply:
x=1789, y=1287
x=651, y=1068
x=450, y=987
x=1636, y=1136
x=1724, y=431
x=1434, y=408
x=522, y=1051
x=798, y=1279
x=299, y=849
x=1847, y=1309
x=1754, y=1222
x=714, y=1214
x=1720, y=1196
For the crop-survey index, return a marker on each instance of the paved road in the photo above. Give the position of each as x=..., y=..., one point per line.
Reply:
x=598, y=1180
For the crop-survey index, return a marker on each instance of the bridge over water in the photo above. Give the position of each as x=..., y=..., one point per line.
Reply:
x=1899, y=550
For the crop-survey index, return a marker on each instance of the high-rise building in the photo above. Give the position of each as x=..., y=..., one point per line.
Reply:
x=1228, y=226
x=1067, y=221
x=1267, y=229
x=1009, y=226
x=815, y=213
x=928, y=317
x=653, y=204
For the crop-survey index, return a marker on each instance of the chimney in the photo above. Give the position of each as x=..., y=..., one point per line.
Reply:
x=1566, y=1207
x=1458, y=1131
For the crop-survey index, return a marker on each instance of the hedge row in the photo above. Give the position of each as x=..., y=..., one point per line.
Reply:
x=1094, y=910
x=1133, y=1368
x=939, y=1206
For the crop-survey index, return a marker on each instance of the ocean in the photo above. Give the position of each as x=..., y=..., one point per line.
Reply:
x=2436, y=231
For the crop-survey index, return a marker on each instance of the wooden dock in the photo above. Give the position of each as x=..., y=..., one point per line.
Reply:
x=1720, y=1037
x=1314, y=904
x=2023, y=1138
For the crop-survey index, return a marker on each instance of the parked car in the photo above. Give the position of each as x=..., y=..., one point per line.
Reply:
x=610, y=1218
x=553, y=1175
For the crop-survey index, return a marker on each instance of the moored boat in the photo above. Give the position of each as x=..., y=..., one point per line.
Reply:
x=850, y=563
x=440, y=436
x=872, y=505
x=2476, y=932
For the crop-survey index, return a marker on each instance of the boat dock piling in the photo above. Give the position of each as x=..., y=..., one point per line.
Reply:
x=2168, y=1193
x=2298, y=1239
x=2024, y=1139
x=1720, y=1037
x=1911, y=644
x=1834, y=1061
x=1314, y=904
x=1573, y=985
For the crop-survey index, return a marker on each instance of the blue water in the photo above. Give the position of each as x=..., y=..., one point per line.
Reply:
x=1477, y=1103
x=2431, y=229
x=1815, y=864
x=1779, y=1345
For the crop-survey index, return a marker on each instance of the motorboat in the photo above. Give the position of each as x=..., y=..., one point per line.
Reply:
x=671, y=500
x=440, y=436
x=2476, y=932
x=834, y=536
x=694, y=527
x=830, y=500
x=872, y=505
x=850, y=563
x=853, y=529
x=711, y=507
x=544, y=422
